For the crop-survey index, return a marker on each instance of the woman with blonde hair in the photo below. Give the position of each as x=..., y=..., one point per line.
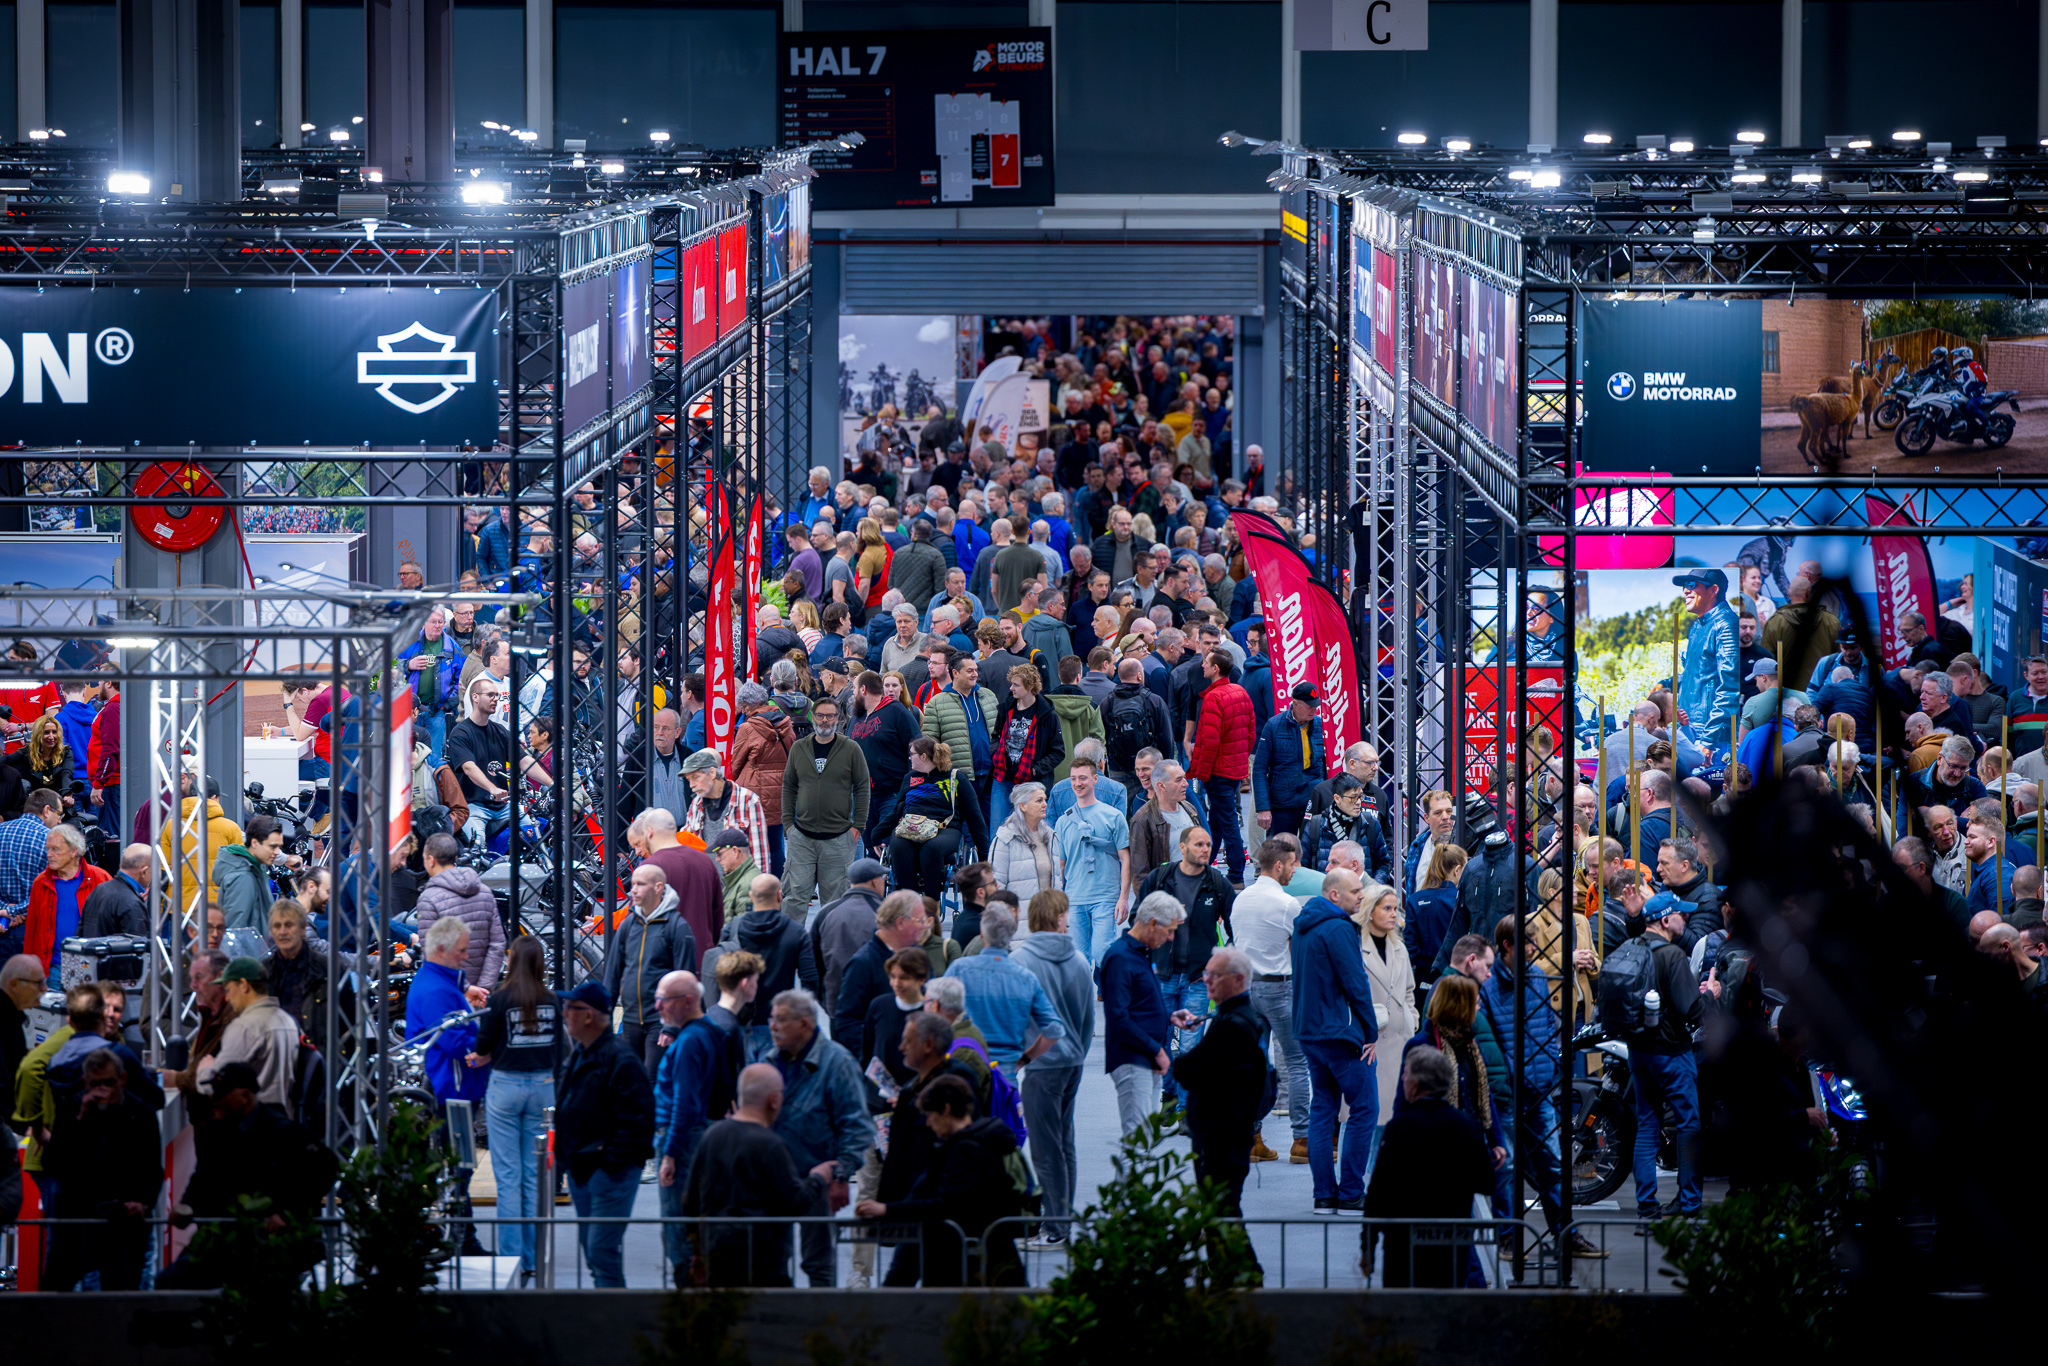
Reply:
x=1393, y=994
x=48, y=758
x=1546, y=933
x=805, y=621
x=871, y=564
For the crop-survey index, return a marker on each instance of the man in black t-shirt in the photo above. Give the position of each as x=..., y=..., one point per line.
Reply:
x=480, y=752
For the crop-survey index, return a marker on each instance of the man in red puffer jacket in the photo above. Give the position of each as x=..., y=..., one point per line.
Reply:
x=1224, y=739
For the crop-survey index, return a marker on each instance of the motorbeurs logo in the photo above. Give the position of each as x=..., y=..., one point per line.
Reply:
x=1668, y=386
x=435, y=372
x=1020, y=56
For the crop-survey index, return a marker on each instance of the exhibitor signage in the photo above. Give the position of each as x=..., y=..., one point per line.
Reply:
x=226, y=367
x=1673, y=388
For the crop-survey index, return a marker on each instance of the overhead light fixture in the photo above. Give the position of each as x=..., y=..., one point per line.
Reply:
x=1973, y=177
x=305, y=128
x=43, y=135
x=127, y=183
x=483, y=192
x=658, y=135
x=1457, y=144
x=492, y=124
x=1598, y=139
x=612, y=167
x=1519, y=173
x=337, y=135
x=1906, y=135
x=1859, y=144
x=1703, y=231
x=1749, y=177
x=1681, y=146
x=1806, y=175
x=290, y=186
x=1749, y=135
x=132, y=642
x=374, y=174
x=527, y=135
x=1542, y=179
x=1411, y=139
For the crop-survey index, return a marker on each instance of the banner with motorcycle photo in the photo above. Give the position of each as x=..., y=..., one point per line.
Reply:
x=1794, y=386
x=1634, y=628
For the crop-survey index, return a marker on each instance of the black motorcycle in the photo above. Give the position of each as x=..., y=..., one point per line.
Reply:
x=1604, y=1122
x=298, y=834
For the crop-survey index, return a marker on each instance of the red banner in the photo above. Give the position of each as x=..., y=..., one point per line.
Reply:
x=1308, y=636
x=753, y=591
x=1905, y=578
x=1482, y=719
x=732, y=278
x=698, y=327
x=720, y=702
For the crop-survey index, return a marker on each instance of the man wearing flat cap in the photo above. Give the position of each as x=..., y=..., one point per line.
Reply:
x=1709, y=687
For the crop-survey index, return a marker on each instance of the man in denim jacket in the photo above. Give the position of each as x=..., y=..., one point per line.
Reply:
x=1710, y=686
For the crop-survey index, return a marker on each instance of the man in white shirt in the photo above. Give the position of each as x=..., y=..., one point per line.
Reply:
x=1262, y=920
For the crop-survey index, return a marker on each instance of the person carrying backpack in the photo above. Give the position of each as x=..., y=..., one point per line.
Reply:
x=1649, y=997
x=1133, y=718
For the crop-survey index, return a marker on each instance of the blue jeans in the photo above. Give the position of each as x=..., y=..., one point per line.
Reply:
x=675, y=1238
x=1183, y=991
x=1275, y=1001
x=604, y=1196
x=434, y=730
x=110, y=821
x=1673, y=1079
x=1094, y=927
x=1226, y=823
x=998, y=806
x=514, y=1107
x=1336, y=1072
x=480, y=818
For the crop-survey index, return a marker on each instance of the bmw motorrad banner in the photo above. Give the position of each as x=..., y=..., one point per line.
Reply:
x=1672, y=388
x=1308, y=636
x=330, y=366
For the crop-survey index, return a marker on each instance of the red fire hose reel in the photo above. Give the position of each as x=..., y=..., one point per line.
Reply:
x=173, y=524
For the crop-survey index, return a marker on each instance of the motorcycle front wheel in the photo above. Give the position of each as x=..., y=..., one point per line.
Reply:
x=1888, y=414
x=1603, y=1143
x=1916, y=435
x=1998, y=429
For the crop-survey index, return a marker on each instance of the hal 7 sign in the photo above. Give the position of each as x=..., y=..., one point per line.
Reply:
x=951, y=116
x=223, y=367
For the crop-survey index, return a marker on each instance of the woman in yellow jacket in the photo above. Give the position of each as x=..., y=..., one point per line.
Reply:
x=195, y=840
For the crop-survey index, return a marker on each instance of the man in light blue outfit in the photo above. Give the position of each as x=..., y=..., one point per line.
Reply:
x=1709, y=688
x=1093, y=845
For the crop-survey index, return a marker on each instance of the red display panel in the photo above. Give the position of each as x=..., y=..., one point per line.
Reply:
x=732, y=278
x=699, y=328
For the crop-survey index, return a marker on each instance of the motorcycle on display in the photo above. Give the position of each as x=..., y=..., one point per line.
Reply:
x=1906, y=386
x=1848, y=1119
x=1603, y=1122
x=538, y=888
x=298, y=833
x=1964, y=416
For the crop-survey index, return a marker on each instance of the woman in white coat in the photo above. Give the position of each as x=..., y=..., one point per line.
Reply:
x=1393, y=994
x=1022, y=850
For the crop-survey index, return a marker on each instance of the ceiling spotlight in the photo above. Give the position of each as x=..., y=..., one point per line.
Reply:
x=493, y=125
x=1973, y=177
x=1233, y=138
x=357, y=119
x=612, y=167
x=132, y=642
x=1411, y=139
x=1519, y=173
x=1859, y=144
x=527, y=135
x=1703, y=231
x=127, y=183
x=290, y=186
x=1598, y=139
x=337, y=135
x=658, y=135
x=43, y=135
x=1457, y=144
x=1749, y=177
x=1806, y=175
x=57, y=133
x=483, y=192
x=1906, y=135
x=1749, y=135
x=374, y=174
x=305, y=128
x=1681, y=146
x=1940, y=164
x=1543, y=179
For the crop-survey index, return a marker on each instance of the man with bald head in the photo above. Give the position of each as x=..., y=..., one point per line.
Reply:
x=21, y=983
x=743, y=1170
x=1134, y=717
x=694, y=1085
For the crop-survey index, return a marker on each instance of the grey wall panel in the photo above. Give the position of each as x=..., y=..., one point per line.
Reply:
x=1136, y=276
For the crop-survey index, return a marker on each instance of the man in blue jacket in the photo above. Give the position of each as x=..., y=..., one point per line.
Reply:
x=1710, y=685
x=695, y=1083
x=1334, y=1020
x=1135, y=1022
x=824, y=1115
x=437, y=992
x=1516, y=1000
x=1288, y=763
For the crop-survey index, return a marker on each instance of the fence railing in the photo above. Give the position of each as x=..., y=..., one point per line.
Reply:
x=572, y=1252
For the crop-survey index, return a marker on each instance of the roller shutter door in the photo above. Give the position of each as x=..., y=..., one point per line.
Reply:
x=970, y=276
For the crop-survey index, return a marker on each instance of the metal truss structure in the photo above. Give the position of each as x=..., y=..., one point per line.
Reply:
x=1461, y=546
x=608, y=497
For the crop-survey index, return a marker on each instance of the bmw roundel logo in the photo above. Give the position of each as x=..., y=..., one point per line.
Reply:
x=1621, y=386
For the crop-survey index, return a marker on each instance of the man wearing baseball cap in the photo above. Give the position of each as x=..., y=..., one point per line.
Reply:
x=1662, y=1058
x=604, y=1127
x=1709, y=687
x=1288, y=763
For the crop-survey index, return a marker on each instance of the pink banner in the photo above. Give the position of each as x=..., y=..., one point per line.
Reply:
x=1308, y=636
x=1905, y=577
x=720, y=704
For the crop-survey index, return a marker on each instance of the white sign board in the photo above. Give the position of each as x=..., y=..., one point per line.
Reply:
x=1361, y=25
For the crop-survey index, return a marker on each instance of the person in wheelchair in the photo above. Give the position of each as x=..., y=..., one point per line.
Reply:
x=925, y=825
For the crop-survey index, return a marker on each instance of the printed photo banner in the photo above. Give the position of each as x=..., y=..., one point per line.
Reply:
x=1308, y=636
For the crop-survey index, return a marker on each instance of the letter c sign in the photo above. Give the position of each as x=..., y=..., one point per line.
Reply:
x=1372, y=27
